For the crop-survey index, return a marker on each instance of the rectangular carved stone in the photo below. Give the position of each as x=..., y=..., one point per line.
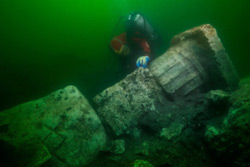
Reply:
x=64, y=122
x=121, y=105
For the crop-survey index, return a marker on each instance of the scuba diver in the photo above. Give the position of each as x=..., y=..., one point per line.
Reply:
x=138, y=42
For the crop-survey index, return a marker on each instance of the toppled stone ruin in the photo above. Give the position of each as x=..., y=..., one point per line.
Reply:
x=195, y=61
x=180, y=71
x=184, y=110
x=122, y=105
x=62, y=125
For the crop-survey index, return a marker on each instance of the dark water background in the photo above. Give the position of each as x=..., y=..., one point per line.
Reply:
x=48, y=44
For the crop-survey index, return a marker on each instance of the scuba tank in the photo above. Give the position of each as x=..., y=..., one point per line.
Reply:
x=138, y=26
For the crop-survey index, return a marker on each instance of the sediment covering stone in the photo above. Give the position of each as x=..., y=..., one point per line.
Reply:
x=121, y=105
x=196, y=60
x=63, y=123
x=230, y=140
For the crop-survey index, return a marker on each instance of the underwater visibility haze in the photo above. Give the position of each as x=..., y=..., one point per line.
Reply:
x=46, y=45
x=67, y=100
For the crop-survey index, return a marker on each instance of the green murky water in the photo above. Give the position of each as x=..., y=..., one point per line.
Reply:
x=48, y=44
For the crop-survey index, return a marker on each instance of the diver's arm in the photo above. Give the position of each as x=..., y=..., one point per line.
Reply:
x=145, y=47
x=118, y=44
x=143, y=60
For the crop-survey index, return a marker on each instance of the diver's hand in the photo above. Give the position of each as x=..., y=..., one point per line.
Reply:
x=142, y=61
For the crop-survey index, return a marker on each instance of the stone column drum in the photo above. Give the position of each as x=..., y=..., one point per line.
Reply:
x=196, y=60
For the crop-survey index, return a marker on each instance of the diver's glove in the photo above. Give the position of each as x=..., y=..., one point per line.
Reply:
x=142, y=61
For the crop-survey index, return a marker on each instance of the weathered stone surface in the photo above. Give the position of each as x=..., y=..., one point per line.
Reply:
x=157, y=126
x=196, y=60
x=202, y=130
x=62, y=122
x=121, y=105
x=217, y=101
x=142, y=163
x=217, y=96
x=41, y=156
x=203, y=125
x=230, y=140
x=117, y=146
x=172, y=131
x=142, y=149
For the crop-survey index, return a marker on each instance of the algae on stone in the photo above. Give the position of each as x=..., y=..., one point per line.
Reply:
x=64, y=122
